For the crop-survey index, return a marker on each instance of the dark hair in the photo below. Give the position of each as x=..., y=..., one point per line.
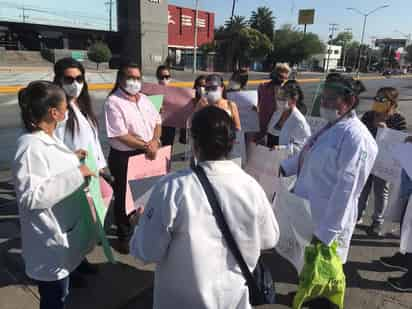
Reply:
x=292, y=89
x=213, y=133
x=35, y=101
x=241, y=76
x=390, y=93
x=218, y=79
x=121, y=73
x=346, y=87
x=159, y=70
x=198, y=80
x=84, y=101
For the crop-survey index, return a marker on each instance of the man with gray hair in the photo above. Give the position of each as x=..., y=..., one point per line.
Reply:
x=267, y=100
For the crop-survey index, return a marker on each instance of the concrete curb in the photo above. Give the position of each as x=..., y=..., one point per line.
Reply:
x=13, y=89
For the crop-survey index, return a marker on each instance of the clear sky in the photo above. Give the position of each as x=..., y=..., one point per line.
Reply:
x=381, y=24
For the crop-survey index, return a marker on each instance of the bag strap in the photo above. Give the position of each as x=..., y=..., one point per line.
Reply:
x=224, y=228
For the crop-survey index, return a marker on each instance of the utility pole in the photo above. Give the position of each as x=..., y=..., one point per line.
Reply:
x=332, y=28
x=24, y=16
x=233, y=11
x=195, y=45
x=110, y=3
x=346, y=30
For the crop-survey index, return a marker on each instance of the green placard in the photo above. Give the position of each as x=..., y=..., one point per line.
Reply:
x=101, y=210
x=157, y=101
x=78, y=55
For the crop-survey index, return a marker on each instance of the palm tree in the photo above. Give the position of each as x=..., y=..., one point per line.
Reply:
x=263, y=20
x=236, y=23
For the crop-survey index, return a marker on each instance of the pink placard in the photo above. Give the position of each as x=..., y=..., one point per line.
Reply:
x=140, y=167
x=177, y=106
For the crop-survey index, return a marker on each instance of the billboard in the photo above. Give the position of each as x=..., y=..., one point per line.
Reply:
x=306, y=17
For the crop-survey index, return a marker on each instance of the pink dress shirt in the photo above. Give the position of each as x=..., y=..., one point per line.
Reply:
x=126, y=116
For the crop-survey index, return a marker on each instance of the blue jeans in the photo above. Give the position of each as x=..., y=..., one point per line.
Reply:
x=53, y=294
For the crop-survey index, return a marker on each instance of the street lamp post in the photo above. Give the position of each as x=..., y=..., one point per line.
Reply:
x=365, y=17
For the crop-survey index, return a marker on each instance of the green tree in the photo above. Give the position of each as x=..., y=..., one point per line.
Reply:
x=342, y=39
x=99, y=52
x=237, y=24
x=254, y=45
x=263, y=20
x=291, y=45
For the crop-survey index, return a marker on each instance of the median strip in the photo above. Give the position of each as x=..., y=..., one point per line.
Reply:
x=13, y=89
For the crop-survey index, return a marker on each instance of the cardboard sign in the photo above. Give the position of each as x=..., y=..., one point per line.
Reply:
x=177, y=106
x=246, y=102
x=142, y=189
x=140, y=167
x=386, y=165
x=157, y=101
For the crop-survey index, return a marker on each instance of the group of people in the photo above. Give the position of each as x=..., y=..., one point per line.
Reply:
x=178, y=230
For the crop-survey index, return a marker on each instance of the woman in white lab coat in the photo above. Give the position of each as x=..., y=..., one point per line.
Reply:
x=178, y=230
x=79, y=130
x=45, y=173
x=333, y=166
x=288, y=122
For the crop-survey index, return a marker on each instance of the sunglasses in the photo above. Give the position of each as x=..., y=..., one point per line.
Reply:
x=165, y=77
x=70, y=79
x=381, y=99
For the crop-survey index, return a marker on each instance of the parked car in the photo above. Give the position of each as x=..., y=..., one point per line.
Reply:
x=340, y=69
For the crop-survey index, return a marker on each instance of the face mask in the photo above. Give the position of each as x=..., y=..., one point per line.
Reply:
x=164, y=82
x=282, y=105
x=234, y=85
x=74, y=89
x=330, y=115
x=133, y=87
x=214, y=96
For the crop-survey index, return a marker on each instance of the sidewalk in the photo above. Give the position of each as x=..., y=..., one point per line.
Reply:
x=126, y=285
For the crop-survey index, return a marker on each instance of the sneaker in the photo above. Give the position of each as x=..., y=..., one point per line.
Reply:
x=398, y=261
x=360, y=221
x=376, y=229
x=402, y=284
x=87, y=268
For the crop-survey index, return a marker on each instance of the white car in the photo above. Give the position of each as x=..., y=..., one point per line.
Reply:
x=340, y=69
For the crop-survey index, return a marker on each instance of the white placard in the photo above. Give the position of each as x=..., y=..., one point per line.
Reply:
x=246, y=102
x=402, y=152
x=386, y=165
x=295, y=226
x=266, y=160
x=316, y=123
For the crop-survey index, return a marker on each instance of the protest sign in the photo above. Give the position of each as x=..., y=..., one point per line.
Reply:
x=238, y=153
x=157, y=101
x=295, y=226
x=316, y=123
x=177, y=103
x=140, y=167
x=99, y=205
x=386, y=165
x=142, y=189
x=402, y=152
x=246, y=102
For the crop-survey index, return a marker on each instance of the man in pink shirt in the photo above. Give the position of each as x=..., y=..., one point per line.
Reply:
x=133, y=127
x=267, y=100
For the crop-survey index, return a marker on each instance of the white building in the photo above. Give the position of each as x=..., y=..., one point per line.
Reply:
x=330, y=59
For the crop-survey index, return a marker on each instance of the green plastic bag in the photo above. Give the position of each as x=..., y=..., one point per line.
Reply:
x=322, y=276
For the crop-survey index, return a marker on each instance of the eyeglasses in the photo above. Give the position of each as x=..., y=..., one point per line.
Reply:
x=165, y=77
x=70, y=79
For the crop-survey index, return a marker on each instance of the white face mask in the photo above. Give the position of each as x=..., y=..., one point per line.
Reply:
x=133, y=87
x=282, y=105
x=330, y=115
x=74, y=89
x=214, y=96
x=164, y=82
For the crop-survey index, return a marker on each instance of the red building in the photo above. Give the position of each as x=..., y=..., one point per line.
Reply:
x=182, y=33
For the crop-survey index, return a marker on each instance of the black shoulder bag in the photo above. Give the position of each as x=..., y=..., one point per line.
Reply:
x=260, y=283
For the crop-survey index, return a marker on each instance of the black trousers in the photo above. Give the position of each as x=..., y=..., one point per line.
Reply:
x=118, y=162
x=272, y=140
x=168, y=136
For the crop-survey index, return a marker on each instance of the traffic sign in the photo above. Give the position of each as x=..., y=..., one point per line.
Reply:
x=306, y=17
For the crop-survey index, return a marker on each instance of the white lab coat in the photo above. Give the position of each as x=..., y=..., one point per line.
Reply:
x=295, y=131
x=333, y=175
x=45, y=172
x=85, y=134
x=178, y=231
